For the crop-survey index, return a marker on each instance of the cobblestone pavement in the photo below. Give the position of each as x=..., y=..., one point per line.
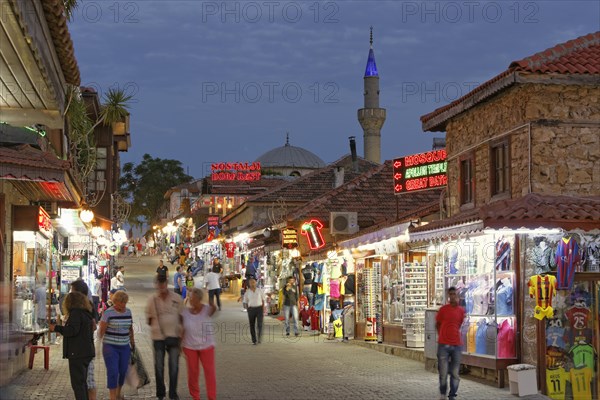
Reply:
x=308, y=367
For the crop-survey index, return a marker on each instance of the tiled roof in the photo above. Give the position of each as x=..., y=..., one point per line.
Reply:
x=536, y=210
x=531, y=211
x=25, y=155
x=314, y=184
x=57, y=24
x=577, y=56
x=247, y=188
x=371, y=195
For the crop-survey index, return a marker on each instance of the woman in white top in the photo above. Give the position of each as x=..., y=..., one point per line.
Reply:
x=199, y=344
x=214, y=288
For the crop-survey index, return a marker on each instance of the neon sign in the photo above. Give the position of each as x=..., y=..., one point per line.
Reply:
x=44, y=223
x=235, y=171
x=312, y=231
x=420, y=171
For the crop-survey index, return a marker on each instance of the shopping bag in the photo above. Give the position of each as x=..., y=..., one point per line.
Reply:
x=132, y=380
x=140, y=371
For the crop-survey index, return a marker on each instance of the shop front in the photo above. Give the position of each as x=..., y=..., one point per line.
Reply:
x=31, y=266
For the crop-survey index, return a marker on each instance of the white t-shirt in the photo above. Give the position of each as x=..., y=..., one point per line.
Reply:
x=198, y=330
x=96, y=288
x=212, y=281
x=254, y=298
x=114, y=283
x=120, y=279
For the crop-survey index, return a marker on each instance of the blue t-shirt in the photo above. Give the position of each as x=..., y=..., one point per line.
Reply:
x=176, y=277
x=481, y=337
x=504, y=300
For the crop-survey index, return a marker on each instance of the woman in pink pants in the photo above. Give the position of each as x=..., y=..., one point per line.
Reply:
x=199, y=344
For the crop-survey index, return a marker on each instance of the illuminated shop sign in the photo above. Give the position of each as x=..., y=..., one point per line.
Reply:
x=213, y=221
x=289, y=238
x=235, y=171
x=312, y=231
x=44, y=223
x=420, y=171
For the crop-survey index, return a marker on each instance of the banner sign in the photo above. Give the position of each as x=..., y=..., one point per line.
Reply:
x=289, y=238
x=420, y=171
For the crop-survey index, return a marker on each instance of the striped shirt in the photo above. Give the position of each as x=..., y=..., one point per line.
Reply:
x=117, y=332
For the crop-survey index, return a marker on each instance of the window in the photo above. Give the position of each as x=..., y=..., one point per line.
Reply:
x=467, y=181
x=97, y=179
x=500, y=169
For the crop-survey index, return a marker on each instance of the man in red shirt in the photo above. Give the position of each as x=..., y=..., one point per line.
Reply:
x=447, y=322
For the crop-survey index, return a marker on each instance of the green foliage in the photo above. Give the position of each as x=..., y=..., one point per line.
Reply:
x=145, y=185
x=70, y=6
x=115, y=106
x=81, y=135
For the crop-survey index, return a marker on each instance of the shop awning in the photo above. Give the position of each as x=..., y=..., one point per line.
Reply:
x=38, y=175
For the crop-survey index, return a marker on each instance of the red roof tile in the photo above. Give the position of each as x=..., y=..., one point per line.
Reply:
x=531, y=211
x=371, y=195
x=577, y=56
x=535, y=211
x=25, y=155
x=314, y=184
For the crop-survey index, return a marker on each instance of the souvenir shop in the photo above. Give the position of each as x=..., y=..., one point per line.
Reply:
x=531, y=296
x=328, y=288
x=31, y=261
x=562, y=311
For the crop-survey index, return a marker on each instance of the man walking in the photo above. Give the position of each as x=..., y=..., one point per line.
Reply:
x=214, y=288
x=290, y=305
x=162, y=269
x=447, y=322
x=254, y=298
x=178, y=281
x=163, y=315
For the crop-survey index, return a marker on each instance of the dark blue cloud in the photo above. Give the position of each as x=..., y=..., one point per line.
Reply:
x=225, y=81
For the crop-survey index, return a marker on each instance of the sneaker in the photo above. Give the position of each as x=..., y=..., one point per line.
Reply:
x=287, y=334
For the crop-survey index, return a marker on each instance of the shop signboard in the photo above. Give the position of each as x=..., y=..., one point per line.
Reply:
x=32, y=218
x=235, y=171
x=72, y=262
x=289, y=238
x=420, y=171
x=213, y=221
x=312, y=230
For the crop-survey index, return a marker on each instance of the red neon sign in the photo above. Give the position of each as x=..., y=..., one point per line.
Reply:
x=312, y=231
x=44, y=223
x=420, y=171
x=235, y=171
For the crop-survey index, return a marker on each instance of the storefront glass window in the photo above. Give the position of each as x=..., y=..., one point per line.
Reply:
x=393, y=290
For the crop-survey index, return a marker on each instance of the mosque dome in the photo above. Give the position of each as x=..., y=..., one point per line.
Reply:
x=289, y=156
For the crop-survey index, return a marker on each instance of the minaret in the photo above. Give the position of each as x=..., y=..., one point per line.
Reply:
x=371, y=117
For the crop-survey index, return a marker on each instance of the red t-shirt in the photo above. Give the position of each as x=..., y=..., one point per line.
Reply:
x=450, y=319
x=230, y=248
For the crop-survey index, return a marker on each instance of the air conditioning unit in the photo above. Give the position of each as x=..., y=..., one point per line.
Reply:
x=344, y=223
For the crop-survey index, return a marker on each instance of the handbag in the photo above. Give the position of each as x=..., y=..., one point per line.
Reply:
x=170, y=341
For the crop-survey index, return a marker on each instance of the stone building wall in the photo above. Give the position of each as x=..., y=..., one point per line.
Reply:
x=565, y=141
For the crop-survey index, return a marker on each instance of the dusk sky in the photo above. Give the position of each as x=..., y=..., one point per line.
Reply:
x=224, y=81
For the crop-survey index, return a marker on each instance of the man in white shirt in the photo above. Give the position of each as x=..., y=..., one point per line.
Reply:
x=214, y=288
x=255, y=299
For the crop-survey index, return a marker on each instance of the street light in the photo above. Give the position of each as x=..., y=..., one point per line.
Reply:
x=86, y=216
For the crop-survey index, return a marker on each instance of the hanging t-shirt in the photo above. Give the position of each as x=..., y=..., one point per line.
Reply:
x=337, y=327
x=314, y=319
x=230, y=249
x=556, y=383
x=491, y=338
x=334, y=288
x=506, y=340
x=502, y=262
x=583, y=355
x=578, y=317
x=567, y=257
x=555, y=336
x=542, y=288
x=581, y=383
x=480, y=337
x=472, y=337
x=504, y=300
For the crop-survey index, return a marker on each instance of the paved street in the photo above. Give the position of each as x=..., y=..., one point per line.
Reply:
x=296, y=368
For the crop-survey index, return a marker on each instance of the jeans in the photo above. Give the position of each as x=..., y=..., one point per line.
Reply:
x=214, y=293
x=116, y=359
x=255, y=317
x=207, y=358
x=448, y=363
x=78, y=369
x=286, y=313
x=159, y=368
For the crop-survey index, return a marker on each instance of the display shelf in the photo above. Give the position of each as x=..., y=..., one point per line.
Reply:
x=415, y=302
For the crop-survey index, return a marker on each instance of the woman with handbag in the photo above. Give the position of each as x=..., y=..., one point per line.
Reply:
x=78, y=346
x=116, y=333
x=163, y=314
x=199, y=344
